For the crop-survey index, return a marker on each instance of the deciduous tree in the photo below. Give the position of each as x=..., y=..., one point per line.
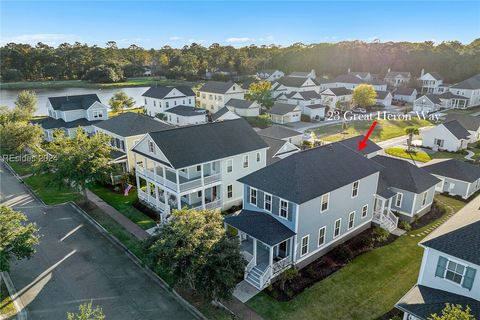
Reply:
x=453, y=312
x=121, y=101
x=26, y=104
x=260, y=92
x=364, y=95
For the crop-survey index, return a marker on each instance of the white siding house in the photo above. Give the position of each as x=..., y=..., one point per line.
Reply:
x=270, y=74
x=184, y=116
x=214, y=94
x=397, y=79
x=431, y=83
x=427, y=103
x=470, y=89
x=333, y=96
x=159, y=99
x=449, y=136
x=404, y=94
x=284, y=113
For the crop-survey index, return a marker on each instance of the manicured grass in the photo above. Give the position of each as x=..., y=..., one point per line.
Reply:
x=447, y=155
x=7, y=308
x=384, y=130
x=421, y=156
x=21, y=168
x=463, y=111
x=366, y=288
x=124, y=205
x=131, y=82
x=262, y=121
x=50, y=193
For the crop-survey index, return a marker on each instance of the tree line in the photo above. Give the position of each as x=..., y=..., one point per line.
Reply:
x=454, y=60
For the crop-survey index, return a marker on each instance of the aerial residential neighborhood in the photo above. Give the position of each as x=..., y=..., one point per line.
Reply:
x=201, y=166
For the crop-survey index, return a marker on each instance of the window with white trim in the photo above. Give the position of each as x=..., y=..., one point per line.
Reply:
x=336, y=229
x=351, y=220
x=245, y=161
x=364, y=211
x=283, y=209
x=230, y=191
x=355, y=189
x=321, y=236
x=258, y=157
x=324, y=202
x=304, y=249
x=97, y=114
x=424, y=198
x=253, y=196
x=267, y=202
x=229, y=165
x=399, y=199
x=456, y=272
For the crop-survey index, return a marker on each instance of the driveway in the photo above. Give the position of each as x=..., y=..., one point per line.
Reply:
x=76, y=263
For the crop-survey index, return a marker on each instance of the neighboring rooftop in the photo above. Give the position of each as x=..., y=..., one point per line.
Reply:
x=132, y=124
x=280, y=108
x=470, y=83
x=239, y=103
x=457, y=129
x=432, y=97
x=160, y=92
x=217, y=86
x=403, y=175
x=308, y=174
x=393, y=74
x=290, y=81
x=436, y=75
x=455, y=169
x=382, y=94
x=352, y=143
x=51, y=123
x=340, y=91
x=278, y=132
x=469, y=122
x=191, y=145
x=274, y=147
x=222, y=112
x=186, y=111
x=404, y=91
x=450, y=95
x=304, y=95
x=68, y=103
x=300, y=73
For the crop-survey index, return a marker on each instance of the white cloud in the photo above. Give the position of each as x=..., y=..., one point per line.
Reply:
x=240, y=39
x=175, y=38
x=51, y=39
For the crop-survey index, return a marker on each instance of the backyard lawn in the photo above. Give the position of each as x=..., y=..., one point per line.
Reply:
x=366, y=288
x=385, y=129
x=421, y=156
x=124, y=205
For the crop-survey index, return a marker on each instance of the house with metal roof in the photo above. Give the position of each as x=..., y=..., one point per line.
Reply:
x=458, y=178
x=213, y=95
x=197, y=166
x=448, y=136
x=159, y=99
x=125, y=130
x=69, y=113
x=450, y=268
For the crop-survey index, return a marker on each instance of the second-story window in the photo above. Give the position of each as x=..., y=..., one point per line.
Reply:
x=229, y=165
x=355, y=189
x=253, y=196
x=258, y=156
x=267, y=205
x=364, y=211
x=424, y=198
x=97, y=114
x=398, y=200
x=283, y=209
x=151, y=146
x=325, y=199
x=199, y=168
x=245, y=161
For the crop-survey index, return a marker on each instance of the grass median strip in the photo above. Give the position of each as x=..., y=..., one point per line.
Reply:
x=366, y=288
x=421, y=156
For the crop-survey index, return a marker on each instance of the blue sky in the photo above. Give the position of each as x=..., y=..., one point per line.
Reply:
x=155, y=24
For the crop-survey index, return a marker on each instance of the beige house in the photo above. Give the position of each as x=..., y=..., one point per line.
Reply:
x=125, y=131
x=213, y=95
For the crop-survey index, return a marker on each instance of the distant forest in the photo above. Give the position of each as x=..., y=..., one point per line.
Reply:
x=454, y=60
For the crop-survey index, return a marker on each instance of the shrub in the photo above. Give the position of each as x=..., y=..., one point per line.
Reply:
x=362, y=241
x=380, y=234
x=305, y=118
x=342, y=253
x=104, y=74
x=307, y=144
x=405, y=225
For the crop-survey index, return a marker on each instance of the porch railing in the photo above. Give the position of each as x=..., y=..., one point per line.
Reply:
x=279, y=266
x=266, y=276
x=214, y=204
x=212, y=178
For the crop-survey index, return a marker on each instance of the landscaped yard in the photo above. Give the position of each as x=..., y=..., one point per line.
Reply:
x=366, y=288
x=384, y=130
x=421, y=156
x=124, y=204
x=51, y=194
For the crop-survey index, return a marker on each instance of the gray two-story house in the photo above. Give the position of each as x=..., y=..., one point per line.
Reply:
x=300, y=207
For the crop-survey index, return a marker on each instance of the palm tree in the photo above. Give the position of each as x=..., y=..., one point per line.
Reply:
x=411, y=131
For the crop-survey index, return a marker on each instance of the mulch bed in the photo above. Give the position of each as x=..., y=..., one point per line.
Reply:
x=327, y=265
x=435, y=213
x=146, y=210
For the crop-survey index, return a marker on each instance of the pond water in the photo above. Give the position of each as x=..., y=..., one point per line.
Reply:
x=8, y=97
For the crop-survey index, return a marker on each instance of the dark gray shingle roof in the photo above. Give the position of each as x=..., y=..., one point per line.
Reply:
x=432, y=97
x=187, y=146
x=289, y=81
x=131, y=124
x=393, y=74
x=309, y=174
x=186, y=111
x=261, y=226
x=450, y=95
x=274, y=146
x=217, y=86
x=51, y=123
x=404, y=91
x=455, y=169
x=160, y=92
x=403, y=175
x=278, y=132
x=469, y=122
x=382, y=94
x=423, y=301
x=239, y=103
x=281, y=108
x=68, y=103
x=456, y=129
x=220, y=113
x=470, y=83
x=341, y=91
x=352, y=143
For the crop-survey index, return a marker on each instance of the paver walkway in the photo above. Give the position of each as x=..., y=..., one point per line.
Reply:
x=130, y=226
x=437, y=224
x=470, y=155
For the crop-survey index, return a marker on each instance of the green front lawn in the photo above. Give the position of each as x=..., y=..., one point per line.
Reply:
x=384, y=130
x=50, y=193
x=21, y=168
x=421, y=156
x=7, y=308
x=124, y=205
x=447, y=155
x=366, y=288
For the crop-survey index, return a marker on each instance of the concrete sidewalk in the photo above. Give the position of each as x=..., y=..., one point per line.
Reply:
x=130, y=226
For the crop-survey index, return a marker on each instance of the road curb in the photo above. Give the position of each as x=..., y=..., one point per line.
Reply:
x=194, y=311
x=17, y=302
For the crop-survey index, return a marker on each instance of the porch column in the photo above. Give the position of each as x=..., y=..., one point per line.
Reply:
x=390, y=204
x=138, y=181
x=383, y=206
x=203, y=197
x=164, y=172
x=254, y=251
x=156, y=192
x=179, y=201
x=178, y=181
x=270, y=258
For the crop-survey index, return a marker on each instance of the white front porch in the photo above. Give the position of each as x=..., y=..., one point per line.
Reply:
x=383, y=215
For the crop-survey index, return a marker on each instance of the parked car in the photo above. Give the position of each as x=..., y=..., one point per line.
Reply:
x=359, y=110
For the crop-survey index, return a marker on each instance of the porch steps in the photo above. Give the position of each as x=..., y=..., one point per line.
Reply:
x=254, y=276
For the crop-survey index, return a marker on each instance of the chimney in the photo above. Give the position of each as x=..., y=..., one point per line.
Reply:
x=423, y=72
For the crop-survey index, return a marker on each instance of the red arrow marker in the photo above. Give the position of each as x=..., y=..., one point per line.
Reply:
x=362, y=144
